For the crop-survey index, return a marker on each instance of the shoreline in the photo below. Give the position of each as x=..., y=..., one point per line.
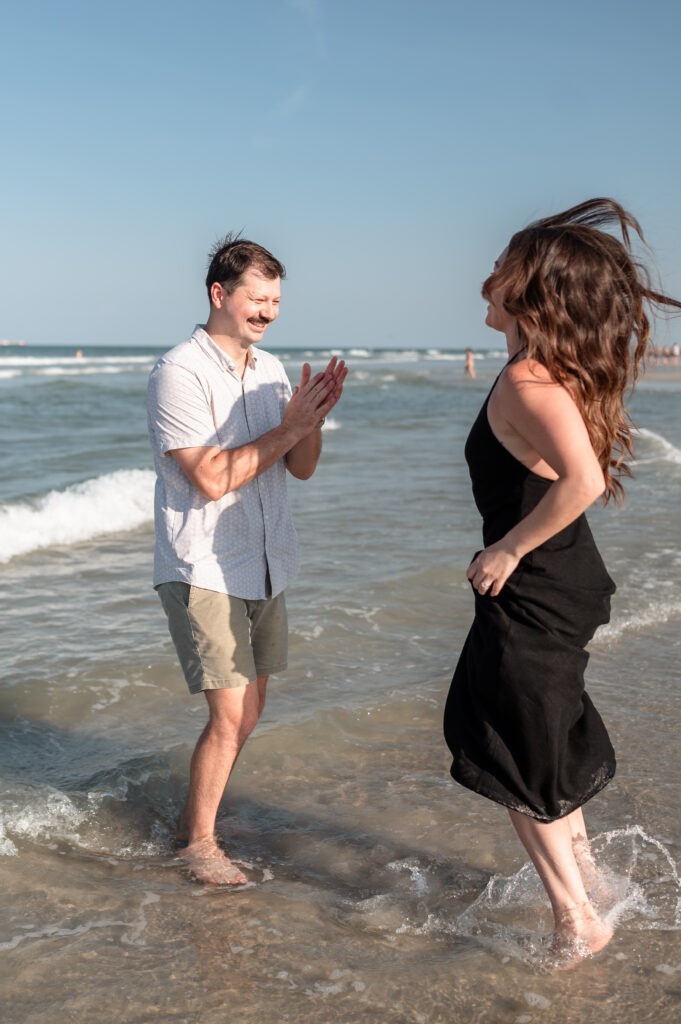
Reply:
x=670, y=372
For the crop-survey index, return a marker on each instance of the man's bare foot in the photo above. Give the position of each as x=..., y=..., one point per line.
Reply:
x=208, y=863
x=580, y=933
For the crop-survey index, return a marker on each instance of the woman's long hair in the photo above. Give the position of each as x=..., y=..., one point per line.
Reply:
x=579, y=298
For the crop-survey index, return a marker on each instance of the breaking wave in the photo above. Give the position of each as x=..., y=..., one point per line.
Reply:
x=112, y=503
x=656, y=448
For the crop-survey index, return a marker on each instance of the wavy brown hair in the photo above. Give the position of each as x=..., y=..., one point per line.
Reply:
x=579, y=298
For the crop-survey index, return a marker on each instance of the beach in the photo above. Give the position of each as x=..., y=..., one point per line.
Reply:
x=378, y=889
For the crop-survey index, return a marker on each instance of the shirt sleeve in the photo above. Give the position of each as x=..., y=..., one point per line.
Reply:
x=180, y=415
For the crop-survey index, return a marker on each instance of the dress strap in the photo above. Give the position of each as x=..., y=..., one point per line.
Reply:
x=507, y=363
x=512, y=359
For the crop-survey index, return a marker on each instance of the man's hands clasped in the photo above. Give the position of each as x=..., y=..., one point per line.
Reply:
x=315, y=397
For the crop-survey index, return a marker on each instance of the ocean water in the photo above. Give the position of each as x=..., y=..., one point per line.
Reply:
x=378, y=889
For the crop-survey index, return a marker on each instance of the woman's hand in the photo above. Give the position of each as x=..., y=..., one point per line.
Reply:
x=491, y=568
x=543, y=429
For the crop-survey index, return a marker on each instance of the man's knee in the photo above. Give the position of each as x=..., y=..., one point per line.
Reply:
x=234, y=712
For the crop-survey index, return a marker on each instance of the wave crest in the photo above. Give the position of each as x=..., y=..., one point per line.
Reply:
x=111, y=503
x=658, y=447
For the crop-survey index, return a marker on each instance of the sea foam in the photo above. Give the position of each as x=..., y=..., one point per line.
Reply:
x=658, y=447
x=656, y=613
x=25, y=362
x=72, y=366
x=106, y=504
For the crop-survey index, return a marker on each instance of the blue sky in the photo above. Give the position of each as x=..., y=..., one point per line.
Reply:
x=383, y=151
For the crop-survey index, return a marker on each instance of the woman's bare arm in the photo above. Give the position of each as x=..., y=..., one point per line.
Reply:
x=538, y=421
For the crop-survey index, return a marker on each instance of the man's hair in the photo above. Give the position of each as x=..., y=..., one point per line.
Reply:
x=232, y=256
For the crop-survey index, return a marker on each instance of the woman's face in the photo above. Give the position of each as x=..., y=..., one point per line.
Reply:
x=497, y=318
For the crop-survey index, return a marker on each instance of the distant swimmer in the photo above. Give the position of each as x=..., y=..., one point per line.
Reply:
x=79, y=353
x=548, y=441
x=225, y=427
x=469, y=365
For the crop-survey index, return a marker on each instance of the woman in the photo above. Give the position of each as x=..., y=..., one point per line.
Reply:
x=550, y=439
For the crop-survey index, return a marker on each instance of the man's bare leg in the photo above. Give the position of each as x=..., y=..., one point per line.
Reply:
x=579, y=929
x=233, y=714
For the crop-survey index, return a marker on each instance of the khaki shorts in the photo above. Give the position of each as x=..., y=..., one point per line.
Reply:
x=224, y=641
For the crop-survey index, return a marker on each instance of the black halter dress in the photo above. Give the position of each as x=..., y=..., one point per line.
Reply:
x=520, y=726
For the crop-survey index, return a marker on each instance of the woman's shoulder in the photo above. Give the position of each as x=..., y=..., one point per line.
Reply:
x=526, y=383
x=527, y=371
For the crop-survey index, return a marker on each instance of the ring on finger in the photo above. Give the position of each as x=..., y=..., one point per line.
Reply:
x=484, y=586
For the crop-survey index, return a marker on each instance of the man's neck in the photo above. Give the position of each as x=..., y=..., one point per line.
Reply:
x=230, y=346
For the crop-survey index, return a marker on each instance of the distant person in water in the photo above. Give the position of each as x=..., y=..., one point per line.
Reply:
x=469, y=365
x=550, y=439
x=225, y=427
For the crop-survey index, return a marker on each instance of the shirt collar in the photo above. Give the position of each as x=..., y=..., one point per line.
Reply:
x=213, y=351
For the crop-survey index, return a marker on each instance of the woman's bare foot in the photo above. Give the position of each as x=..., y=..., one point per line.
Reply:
x=580, y=932
x=208, y=863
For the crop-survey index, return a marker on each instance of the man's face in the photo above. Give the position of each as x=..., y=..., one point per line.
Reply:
x=248, y=311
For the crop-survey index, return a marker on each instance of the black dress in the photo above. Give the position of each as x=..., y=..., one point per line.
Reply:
x=520, y=726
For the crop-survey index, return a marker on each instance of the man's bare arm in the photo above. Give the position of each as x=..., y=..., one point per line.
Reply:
x=215, y=472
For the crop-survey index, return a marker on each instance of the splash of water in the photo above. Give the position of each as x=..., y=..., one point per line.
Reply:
x=629, y=876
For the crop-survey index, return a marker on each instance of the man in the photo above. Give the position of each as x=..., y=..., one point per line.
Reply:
x=225, y=426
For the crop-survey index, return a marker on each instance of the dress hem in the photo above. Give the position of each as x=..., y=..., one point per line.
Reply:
x=522, y=808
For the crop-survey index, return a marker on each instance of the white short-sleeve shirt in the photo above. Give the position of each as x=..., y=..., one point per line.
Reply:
x=196, y=397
